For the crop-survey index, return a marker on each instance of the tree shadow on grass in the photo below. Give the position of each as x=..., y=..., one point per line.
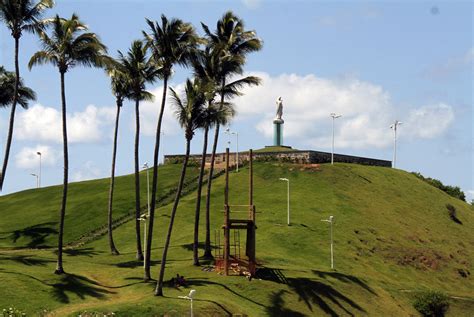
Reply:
x=134, y=264
x=79, y=285
x=25, y=260
x=278, y=306
x=345, y=278
x=70, y=283
x=201, y=245
x=37, y=234
x=89, y=252
x=313, y=292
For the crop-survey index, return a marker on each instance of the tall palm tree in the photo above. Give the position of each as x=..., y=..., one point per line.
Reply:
x=189, y=113
x=119, y=83
x=206, y=68
x=7, y=90
x=69, y=45
x=19, y=16
x=140, y=71
x=171, y=42
x=231, y=43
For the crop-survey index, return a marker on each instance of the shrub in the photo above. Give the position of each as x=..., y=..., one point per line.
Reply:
x=453, y=191
x=452, y=213
x=431, y=303
x=13, y=312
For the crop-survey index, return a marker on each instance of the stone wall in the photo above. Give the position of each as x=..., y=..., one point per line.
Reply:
x=300, y=157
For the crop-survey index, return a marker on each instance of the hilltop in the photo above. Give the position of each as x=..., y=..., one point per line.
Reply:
x=393, y=236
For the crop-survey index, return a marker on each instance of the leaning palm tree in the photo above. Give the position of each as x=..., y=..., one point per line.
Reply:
x=68, y=45
x=213, y=114
x=19, y=16
x=173, y=42
x=119, y=83
x=7, y=90
x=231, y=43
x=206, y=68
x=139, y=70
x=189, y=113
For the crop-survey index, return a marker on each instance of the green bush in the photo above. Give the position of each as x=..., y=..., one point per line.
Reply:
x=431, y=303
x=453, y=191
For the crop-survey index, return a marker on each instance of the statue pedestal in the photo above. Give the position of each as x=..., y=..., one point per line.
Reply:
x=278, y=132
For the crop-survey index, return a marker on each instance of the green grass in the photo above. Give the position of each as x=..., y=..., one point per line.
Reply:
x=392, y=235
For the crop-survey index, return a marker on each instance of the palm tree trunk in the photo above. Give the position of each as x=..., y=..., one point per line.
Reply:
x=137, y=182
x=59, y=265
x=159, y=284
x=113, y=249
x=198, y=199
x=207, y=244
x=151, y=218
x=12, y=114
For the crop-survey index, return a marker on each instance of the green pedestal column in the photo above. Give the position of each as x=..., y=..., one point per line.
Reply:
x=278, y=132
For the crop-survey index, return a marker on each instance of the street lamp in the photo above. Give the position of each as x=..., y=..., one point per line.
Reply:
x=334, y=117
x=288, y=196
x=37, y=179
x=39, y=182
x=144, y=217
x=331, y=220
x=227, y=131
x=190, y=297
x=394, y=128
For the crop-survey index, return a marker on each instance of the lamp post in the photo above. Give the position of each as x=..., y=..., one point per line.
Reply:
x=144, y=217
x=190, y=298
x=37, y=179
x=288, y=196
x=227, y=131
x=330, y=220
x=394, y=128
x=334, y=117
x=39, y=182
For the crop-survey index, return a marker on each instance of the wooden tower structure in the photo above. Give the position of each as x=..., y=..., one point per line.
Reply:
x=233, y=222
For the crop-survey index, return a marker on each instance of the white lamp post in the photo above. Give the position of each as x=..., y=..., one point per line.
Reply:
x=190, y=297
x=39, y=181
x=334, y=117
x=227, y=131
x=144, y=217
x=394, y=128
x=288, y=196
x=330, y=220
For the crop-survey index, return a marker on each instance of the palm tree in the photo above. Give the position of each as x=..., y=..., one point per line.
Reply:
x=19, y=16
x=205, y=65
x=7, y=90
x=190, y=116
x=231, y=43
x=120, y=88
x=173, y=42
x=139, y=70
x=68, y=46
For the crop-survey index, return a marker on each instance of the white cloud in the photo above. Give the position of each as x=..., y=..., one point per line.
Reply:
x=45, y=124
x=308, y=100
x=28, y=157
x=87, y=172
x=429, y=121
x=252, y=4
x=451, y=66
x=149, y=114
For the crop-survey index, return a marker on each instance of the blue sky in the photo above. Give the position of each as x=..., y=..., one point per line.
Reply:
x=373, y=62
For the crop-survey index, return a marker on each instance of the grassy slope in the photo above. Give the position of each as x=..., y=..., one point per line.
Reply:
x=30, y=218
x=392, y=236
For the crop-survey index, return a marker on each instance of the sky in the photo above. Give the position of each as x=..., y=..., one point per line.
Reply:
x=372, y=62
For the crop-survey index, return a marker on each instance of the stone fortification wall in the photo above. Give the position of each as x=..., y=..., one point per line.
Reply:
x=300, y=157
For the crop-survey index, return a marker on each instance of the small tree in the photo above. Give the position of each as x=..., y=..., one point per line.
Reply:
x=431, y=304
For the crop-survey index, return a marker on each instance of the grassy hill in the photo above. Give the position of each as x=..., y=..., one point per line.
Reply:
x=392, y=233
